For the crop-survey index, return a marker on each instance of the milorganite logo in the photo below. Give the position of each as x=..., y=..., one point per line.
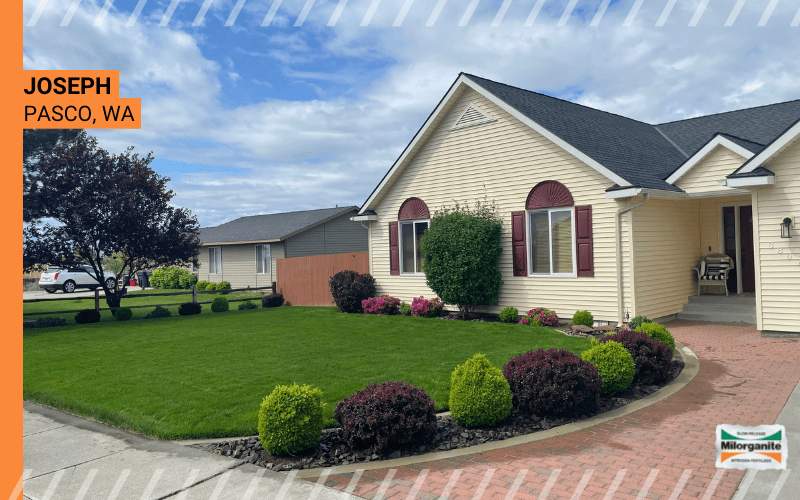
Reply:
x=762, y=447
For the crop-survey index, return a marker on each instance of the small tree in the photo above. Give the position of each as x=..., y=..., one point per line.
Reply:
x=461, y=248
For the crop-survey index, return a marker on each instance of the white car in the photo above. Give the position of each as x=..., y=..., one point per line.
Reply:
x=71, y=278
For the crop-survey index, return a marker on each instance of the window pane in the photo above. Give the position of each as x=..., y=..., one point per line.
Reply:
x=562, y=241
x=219, y=260
x=212, y=261
x=420, y=228
x=540, y=243
x=407, y=242
x=267, y=259
x=259, y=259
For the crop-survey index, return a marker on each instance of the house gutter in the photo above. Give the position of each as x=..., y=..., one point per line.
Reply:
x=619, y=252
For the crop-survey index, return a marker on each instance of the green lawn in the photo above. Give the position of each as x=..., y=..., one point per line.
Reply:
x=205, y=376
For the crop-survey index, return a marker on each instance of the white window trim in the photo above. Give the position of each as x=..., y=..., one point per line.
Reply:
x=217, y=269
x=528, y=246
x=268, y=268
x=400, y=245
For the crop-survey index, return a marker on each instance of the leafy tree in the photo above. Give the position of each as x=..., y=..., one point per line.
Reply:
x=104, y=205
x=34, y=143
x=461, y=248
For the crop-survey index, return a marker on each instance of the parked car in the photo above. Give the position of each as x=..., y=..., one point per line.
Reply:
x=71, y=278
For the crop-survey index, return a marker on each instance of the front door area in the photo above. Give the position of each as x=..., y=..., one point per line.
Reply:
x=737, y=236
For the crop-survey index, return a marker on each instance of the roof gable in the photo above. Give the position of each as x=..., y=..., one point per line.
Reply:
x=719, y=140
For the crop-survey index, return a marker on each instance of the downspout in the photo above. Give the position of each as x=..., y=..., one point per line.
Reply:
x=619, y=253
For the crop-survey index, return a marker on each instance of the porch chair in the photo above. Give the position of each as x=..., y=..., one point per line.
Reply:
x=712, y=270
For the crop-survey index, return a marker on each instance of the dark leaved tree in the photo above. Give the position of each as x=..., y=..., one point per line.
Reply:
x=35, y=142
x=87, y=205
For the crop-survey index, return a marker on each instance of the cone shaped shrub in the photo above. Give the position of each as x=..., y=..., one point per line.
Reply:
x=290, y=419
x=658, y=332
x=614, y=363
x=387, y=416
x=651, y=358
x=479, y=394
x=553, y=382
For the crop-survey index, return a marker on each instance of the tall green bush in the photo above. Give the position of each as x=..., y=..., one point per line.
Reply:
x=290, y=419
x=460, y=249
x=172, y=278
x=479, y=393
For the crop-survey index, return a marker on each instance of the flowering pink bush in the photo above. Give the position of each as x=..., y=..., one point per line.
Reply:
x=425, y=308
x=383, y=305
x=524, y=321
x=541, y=316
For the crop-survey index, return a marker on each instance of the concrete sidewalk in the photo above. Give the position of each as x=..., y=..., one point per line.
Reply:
x=67, y=457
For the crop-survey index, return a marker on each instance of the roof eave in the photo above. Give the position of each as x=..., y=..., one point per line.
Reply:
x=692, y=161
x=771, y=150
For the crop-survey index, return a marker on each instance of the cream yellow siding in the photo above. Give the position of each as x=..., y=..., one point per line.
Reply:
x=778, y=259
x=501, y=161
x=705, y=176
x=239, y=265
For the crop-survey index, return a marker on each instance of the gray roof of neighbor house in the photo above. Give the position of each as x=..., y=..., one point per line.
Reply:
x=641, y=153
x=270, y=227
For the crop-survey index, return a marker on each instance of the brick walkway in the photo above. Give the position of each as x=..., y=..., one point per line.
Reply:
x=665, y=451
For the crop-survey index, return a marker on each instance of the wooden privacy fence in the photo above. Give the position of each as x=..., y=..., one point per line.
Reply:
x=304, y=280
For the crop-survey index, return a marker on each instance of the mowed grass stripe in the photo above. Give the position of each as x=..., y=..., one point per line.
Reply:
x=205, y=376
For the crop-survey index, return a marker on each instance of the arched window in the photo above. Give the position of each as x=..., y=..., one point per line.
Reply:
x=405, y=237
x=559, y=234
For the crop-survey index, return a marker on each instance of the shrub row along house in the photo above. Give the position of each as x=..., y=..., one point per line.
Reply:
x=600, y=211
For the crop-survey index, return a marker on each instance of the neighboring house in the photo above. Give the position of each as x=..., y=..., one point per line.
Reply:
x=600, y=212
x=244, y=251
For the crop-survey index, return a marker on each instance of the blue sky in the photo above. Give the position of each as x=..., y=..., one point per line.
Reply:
x=248, y=119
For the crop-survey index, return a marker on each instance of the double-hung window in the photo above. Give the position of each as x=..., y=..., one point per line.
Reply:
x=214, y=260
x=551, y=241
x=411, y=245
x=263, y=259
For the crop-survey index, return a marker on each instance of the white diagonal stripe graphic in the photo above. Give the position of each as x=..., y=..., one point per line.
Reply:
x=354, y=481
x=304, y=13
x=234, y=13
x=632, y=14
x=51, y=488
x=582, y=485
x=152, y=484
x=401, y=16
x=70, y=12
x=190, y=479
x=666, y=12
x=370, y=12
x=648, y=483
x=417, y=484
x=796, y=20
x=698, y=13
x=567, y=13
x=687, y=473
x=436, y=11
x=473, y=4
x=119, y=484
x=135, y=14
x=98, y=21
x=18, y=488
x=201, y=14
x=779, y=484
x=321, y=480
x=484, y=483
x=712, y=486
x=287, y=483
x=735, y=13
x=86, y=484
x=534, y=12
x=551, y=481
x=741, y=492
x=501, y=13
x=767, y=13
x=272, y=10
x=615, y=484
x=223, y=479
x=512, y=492
x=450, y=484
x=254, y=483
x=37, y=13
x=600, y=12
x=385, y=484
x=337, y=13
x=168, y=14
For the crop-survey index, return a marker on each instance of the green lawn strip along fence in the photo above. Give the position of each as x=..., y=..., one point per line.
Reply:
x=205, y=376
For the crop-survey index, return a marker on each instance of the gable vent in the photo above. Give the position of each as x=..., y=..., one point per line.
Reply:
x=472, y=116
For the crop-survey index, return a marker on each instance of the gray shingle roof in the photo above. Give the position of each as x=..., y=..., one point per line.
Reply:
x=641, y=153
x=270, y=226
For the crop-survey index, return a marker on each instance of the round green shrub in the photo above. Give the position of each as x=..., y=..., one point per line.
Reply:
x=658, y=332
x=189, y=309
x=509, y=314
x=614, y=363
x=584, y=318
x=201, y=285
x=87, y=316
x=405, y=309
x=290, y=419
x=637, y=321
x=247, y=305
x=210, y=287
x=123, y=314
x=479, y=394
x=220, y=304
x=223, y=286
x=158, y=312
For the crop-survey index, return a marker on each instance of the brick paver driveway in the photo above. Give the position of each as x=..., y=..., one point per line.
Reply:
x=665, y=451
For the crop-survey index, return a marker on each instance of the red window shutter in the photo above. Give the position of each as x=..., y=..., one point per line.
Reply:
x=583, y=241
x=518, y=245
x=394, y=250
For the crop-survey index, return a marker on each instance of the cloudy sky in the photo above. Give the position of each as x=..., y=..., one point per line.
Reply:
x=262, y=106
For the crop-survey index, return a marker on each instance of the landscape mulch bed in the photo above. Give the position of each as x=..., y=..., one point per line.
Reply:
x=333, y=450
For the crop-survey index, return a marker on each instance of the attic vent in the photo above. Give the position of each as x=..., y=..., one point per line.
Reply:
x=472, y=116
